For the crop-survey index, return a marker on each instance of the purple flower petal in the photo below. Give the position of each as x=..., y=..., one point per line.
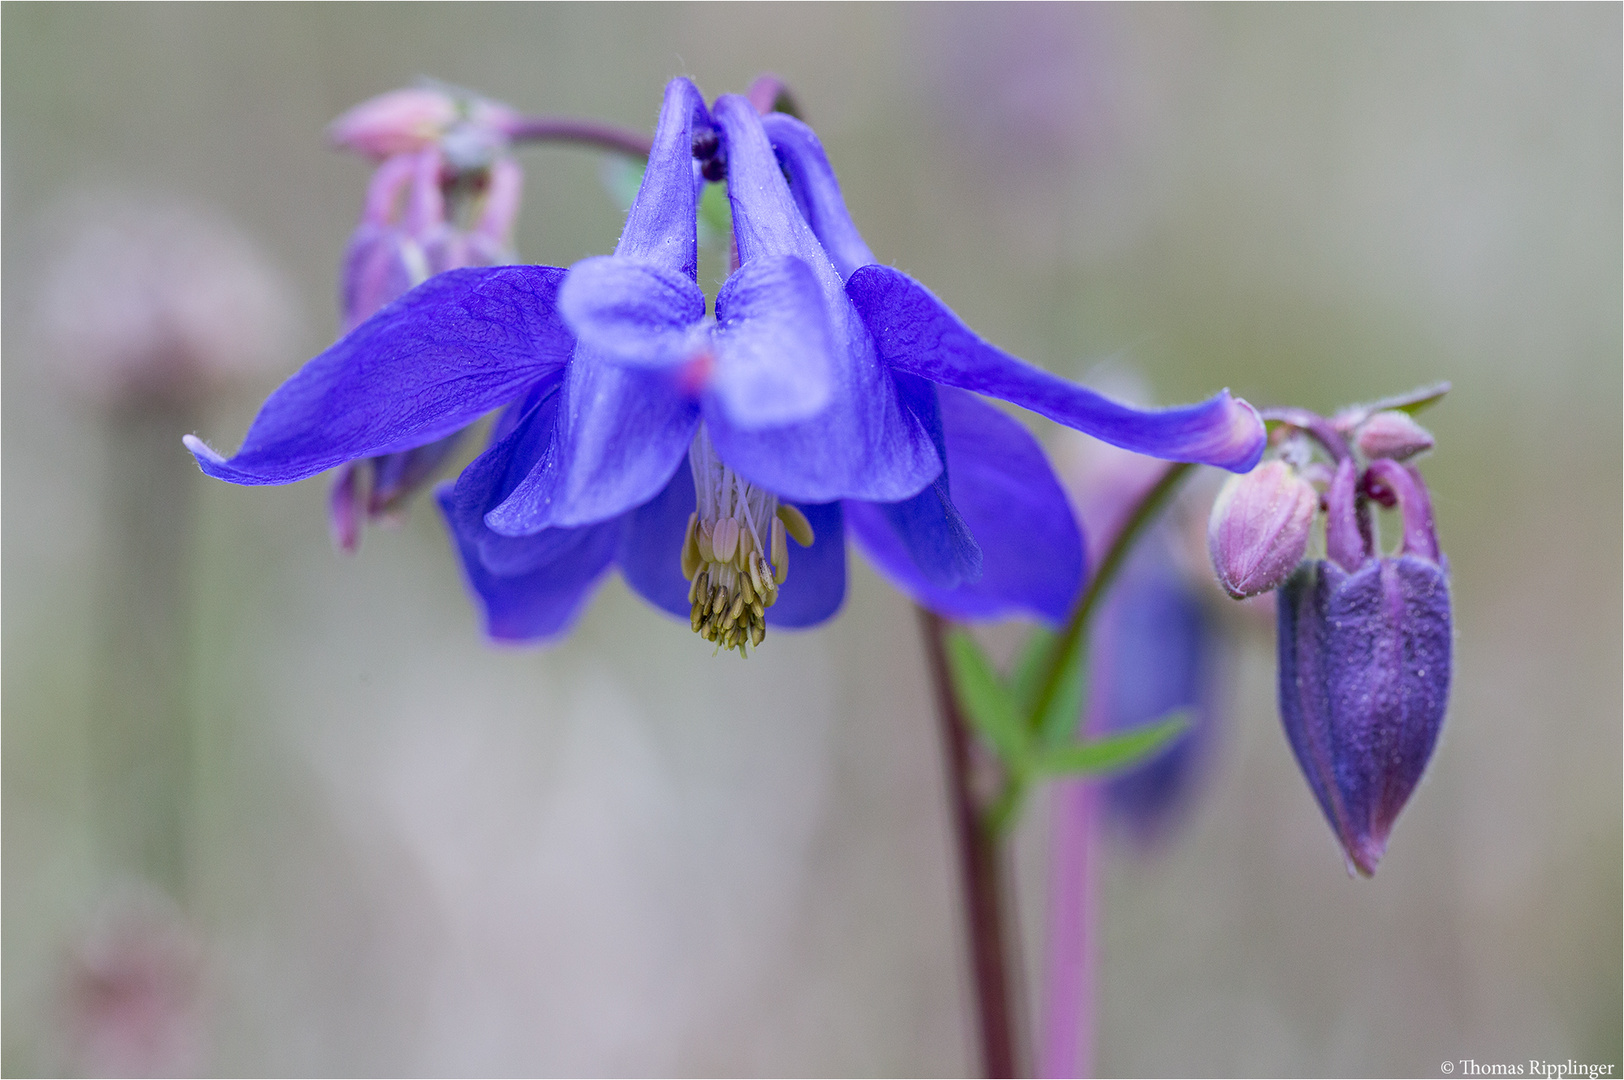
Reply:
x=487, y=481
x=650, y=554
x=662, y=225
x=863, y=444
x=543, y=602
x=816, y=585
x=917, y=333
x=620, y=434
x=424, y=366
x=772, y=344
x=933, y=533
x=1001, y=483
x=817, y=192
x=630, y=312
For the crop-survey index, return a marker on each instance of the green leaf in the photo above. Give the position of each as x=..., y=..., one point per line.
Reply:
x=1030, y=664
x=987, y=705
x=1416, y=400
x=1064, y=713
x=1112, y=753
x=1060, y=719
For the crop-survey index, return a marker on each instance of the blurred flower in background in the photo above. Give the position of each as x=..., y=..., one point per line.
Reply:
x=151, y=309
x=133, y=993
x=445, y=195
x=151, y=299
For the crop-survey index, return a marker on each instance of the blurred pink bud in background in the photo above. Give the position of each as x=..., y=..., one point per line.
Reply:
x=134, y=993
x=152, y=299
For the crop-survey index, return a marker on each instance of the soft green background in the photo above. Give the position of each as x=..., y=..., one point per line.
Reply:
x=411, y=852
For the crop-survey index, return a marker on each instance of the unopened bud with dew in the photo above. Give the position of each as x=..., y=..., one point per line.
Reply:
x=1259, y=529
x=1392, y=435
x=1365, y=642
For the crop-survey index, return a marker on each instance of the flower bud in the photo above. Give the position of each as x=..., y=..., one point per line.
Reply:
x=408, y=232
x=1259, y=528
x=1364, y=671
x=399, y=122
x=148, y=300
x=1392, y=435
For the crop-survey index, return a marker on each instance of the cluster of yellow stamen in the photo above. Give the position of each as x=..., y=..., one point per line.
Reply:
x=734, y=552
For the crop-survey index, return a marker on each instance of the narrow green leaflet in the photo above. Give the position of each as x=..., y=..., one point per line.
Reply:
x=1113, y=752
x=1028, y=668
x=988, y=706
x=1060, y=719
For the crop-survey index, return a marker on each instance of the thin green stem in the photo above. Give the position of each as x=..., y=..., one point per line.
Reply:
x=1149, y=506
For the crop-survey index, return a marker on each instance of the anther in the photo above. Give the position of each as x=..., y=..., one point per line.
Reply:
x=796, y=523
x=690, y=549
x=780, y=552
x=726, y=540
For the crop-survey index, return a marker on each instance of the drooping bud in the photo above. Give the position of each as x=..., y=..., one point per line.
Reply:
x=1392, y=435
x=399, y=122
x=442, y=149
x=405, y=121
x=1259, y=528
x=1365, y=665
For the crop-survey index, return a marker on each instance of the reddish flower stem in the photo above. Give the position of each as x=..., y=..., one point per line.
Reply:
x=981, y=867
x=584, y=132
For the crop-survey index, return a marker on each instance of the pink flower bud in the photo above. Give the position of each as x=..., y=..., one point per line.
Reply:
x=148, y=299
x=398, y=122
x=1392, y=435
x=1259, y=528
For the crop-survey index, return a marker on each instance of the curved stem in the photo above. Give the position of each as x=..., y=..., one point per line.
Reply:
x=533, y=129
x=1149, y=505
x=981, y=868
x=1316, y=425
x=769, y=93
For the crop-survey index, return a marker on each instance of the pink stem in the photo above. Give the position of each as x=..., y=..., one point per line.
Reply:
x=1067, y=1049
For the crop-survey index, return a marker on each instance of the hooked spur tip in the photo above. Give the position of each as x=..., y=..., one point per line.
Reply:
x=201, y=451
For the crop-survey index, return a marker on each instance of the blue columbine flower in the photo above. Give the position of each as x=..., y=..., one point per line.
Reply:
x=688, y=450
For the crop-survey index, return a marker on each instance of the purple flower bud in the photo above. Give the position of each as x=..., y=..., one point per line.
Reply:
x=1392, y=435
x=407, y=234
x=1365, y=663
x=1259, y=528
